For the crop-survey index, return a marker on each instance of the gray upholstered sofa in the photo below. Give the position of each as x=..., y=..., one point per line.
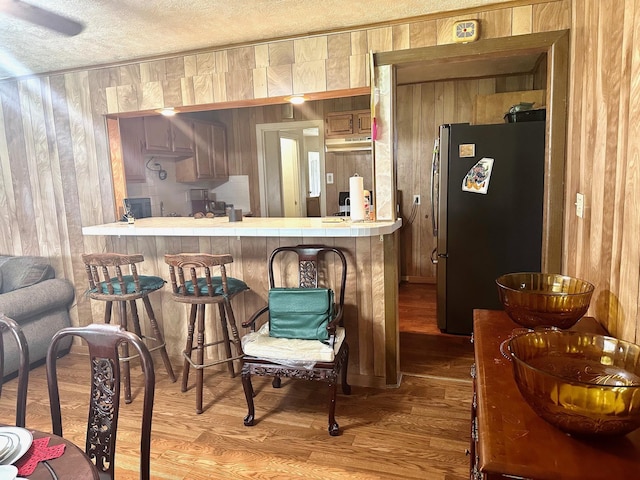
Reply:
x=32, y=296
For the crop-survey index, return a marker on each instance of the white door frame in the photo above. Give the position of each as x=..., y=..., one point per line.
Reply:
x=270, y=127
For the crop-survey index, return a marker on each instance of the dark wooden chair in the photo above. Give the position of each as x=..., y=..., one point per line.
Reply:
x=113, y=277
x=9, y=325
x=192, y=283
x=104, y=402
x=276, y=357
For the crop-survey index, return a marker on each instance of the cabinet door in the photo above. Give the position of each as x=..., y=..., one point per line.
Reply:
x=363, y=122
x=219, y=151
x=339, y=124
x=202, y=133
x=157, y=134
x=131, y=136
x=182, y=136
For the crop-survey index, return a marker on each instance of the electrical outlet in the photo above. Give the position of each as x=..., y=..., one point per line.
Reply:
x=580, y=205
x=416, y=199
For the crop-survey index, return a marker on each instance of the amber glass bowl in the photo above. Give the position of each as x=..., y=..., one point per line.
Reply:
x=584, y=384
x=534, y=299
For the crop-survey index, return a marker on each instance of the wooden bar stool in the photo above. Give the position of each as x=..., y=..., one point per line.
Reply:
x=193, y=284
x=108, y=284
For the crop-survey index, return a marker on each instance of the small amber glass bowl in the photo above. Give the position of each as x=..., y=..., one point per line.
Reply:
x=584, y=384
x=535, y=299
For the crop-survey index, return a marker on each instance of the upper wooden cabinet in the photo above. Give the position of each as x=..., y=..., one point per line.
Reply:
x=219, y=152
x=168, y=136
x=209, y=160
x=345, y=124
x=199, y=148
x=182, y=135
x=363, y=123
x=132, y=138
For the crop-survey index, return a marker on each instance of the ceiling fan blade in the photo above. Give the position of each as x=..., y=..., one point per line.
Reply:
x=42, y=17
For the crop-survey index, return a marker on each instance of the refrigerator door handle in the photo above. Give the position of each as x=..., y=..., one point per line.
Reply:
x=434, y=180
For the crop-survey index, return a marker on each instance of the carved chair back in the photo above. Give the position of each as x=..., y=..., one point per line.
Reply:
x=11, y=326
x=312, y=270
x=104, y=403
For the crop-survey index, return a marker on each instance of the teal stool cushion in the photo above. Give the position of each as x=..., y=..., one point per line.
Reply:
x=233, y=284
x=148, y=284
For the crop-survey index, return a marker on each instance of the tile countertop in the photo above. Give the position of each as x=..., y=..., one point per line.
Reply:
x=248, y=227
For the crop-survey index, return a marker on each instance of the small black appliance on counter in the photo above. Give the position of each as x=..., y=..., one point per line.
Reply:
x=138, y=207
x=218, y=208
x=199, y=200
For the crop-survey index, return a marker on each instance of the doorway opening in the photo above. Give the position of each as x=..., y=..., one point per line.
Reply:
x=291, y=168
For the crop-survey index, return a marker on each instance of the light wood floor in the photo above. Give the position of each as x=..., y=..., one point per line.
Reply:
x=419, y=430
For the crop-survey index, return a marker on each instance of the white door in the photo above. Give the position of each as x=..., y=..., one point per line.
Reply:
x=280, y=176
x=289, y=162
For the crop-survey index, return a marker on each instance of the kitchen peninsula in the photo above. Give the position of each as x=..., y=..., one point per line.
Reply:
x=371, y=297
x=249, y=227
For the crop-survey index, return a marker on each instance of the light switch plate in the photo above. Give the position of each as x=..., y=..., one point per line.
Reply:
x=580, y=205
x=329, y=178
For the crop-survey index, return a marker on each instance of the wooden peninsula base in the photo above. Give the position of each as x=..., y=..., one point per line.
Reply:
x=371, y=248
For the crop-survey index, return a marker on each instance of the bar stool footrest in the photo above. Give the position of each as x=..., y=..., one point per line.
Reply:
x=210, y=364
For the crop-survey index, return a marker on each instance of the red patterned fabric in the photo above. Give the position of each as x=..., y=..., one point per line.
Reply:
x=38, y=452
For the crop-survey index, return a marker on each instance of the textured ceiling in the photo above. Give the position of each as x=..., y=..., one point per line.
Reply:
x=121, y=30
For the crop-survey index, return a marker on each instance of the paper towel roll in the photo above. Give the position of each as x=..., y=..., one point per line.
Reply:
x=356, y=198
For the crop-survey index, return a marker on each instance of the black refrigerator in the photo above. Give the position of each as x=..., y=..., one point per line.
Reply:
x=487, y=199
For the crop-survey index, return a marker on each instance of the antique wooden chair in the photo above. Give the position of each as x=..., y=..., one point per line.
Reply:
x=104, y=400
x=113, y=277
x=11, y=326
x=192, y=283
x=266, y=355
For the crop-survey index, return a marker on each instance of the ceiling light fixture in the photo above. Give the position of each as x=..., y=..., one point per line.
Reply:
x=296, y=99
x=168, y=112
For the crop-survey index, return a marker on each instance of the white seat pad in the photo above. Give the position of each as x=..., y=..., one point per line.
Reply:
x=290, y=350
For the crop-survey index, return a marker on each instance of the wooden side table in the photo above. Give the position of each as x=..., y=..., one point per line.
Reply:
x=510, y=440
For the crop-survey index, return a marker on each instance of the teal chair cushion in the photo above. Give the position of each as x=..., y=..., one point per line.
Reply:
x=233, y=284
x=148, y=284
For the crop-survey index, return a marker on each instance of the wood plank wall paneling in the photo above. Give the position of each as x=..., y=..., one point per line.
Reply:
x=604, y=87
x=421, y=109
x=603, y=151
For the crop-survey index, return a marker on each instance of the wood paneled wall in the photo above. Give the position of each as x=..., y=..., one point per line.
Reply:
x=421, y=109
x=54, y=164
x=603, y=160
